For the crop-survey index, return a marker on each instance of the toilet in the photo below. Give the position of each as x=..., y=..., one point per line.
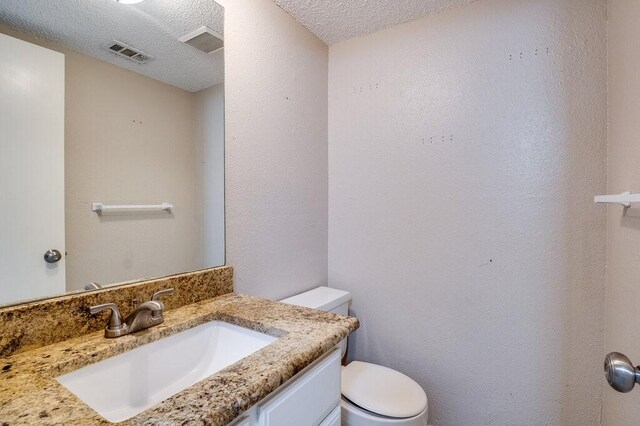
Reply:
x=371, y=394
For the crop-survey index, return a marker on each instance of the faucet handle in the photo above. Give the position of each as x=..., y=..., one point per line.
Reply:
x=115, y=327
x=156, y=296
x=165, y=292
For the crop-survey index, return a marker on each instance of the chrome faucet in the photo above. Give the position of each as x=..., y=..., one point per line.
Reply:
x=148, y=314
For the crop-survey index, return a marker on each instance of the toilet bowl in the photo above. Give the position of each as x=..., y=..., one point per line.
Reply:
x=371, y=394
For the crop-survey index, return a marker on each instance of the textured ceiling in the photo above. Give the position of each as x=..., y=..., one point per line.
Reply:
x=336, y=20
x=154, y=27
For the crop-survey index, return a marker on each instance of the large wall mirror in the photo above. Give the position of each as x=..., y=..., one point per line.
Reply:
x=111, y=143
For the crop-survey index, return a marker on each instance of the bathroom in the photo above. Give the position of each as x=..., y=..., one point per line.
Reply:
x=436, y=159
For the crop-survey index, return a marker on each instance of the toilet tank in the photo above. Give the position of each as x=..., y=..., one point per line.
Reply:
x=324, y=299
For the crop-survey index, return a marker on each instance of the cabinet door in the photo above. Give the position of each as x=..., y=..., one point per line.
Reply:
x=308, y=399
x=243, y=422
x=333, y=419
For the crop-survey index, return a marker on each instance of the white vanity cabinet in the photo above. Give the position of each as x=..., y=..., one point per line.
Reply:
x=311, y=398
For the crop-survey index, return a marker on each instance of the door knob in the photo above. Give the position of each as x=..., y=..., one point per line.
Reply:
x=620, y=372
x=52, y=256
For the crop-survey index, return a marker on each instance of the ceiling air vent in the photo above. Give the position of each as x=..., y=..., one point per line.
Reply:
x=128, y=52
x=205, y=39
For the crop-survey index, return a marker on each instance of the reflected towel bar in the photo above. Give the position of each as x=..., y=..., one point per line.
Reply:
x=99, y=207
x=625, y=199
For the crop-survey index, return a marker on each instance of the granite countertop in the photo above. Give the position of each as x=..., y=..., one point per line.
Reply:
x=29, y=393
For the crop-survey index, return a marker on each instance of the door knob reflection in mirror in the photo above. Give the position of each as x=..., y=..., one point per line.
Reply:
x=52, y=256
x=620, y=372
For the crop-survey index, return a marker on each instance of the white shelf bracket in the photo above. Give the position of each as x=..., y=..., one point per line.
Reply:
x=625, y=199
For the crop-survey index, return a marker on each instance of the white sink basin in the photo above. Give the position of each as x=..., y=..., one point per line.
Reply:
x=118, y=388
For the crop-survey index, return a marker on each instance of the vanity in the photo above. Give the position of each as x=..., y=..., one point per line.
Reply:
x=311, y=398
x=280, y=365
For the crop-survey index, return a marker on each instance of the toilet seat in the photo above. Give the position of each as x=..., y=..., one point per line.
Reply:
x=352, y=415
x=382, y=391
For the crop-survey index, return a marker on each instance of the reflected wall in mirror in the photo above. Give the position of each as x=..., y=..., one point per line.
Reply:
x=105, y=102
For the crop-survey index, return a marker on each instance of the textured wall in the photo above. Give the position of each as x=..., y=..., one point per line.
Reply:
x=464, y=153
x=276, y=150
x=623, y=227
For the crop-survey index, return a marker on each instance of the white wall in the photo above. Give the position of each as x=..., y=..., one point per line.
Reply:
x=623, y=227
x=464, y=152
x=129, y=139
x=209, y=109
x=276, y=150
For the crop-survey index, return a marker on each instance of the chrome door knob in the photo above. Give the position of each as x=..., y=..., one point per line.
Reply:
x=620, y=372
x=52, y=256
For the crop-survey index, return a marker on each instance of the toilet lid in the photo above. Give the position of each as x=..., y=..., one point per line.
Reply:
x=382, y=390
